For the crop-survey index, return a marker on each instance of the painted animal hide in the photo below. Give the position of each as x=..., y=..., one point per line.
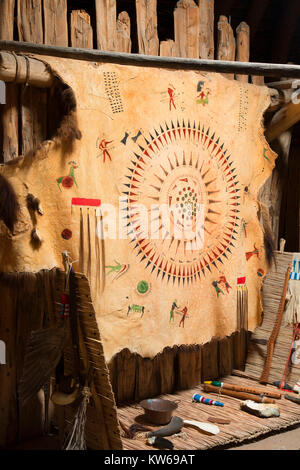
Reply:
x=154, y=142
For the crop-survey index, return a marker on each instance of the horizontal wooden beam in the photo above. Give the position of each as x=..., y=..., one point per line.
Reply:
x=283, y=120
x=20, y=69
x=94, y=55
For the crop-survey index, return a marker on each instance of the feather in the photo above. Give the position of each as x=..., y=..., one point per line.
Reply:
x=9, y=206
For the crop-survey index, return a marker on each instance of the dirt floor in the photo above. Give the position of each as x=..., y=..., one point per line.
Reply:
x=288, y=440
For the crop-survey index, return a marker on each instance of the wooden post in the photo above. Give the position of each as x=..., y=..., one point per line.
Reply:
x=33, y=100
x=206, y=32
x=55, y=22
x=146, y=16
x=123, y=41
x=56, y=33
x=242, y=47
x=168, y=48
x=30, y=25
x=9, y=135
x=106, y=17
x=226, y=42
x=81, y=30
x=186, y=28
x=7, y=19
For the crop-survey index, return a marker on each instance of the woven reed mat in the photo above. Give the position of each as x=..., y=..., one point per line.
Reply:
x=272, y=290
x=102, y=431
x=243, y=426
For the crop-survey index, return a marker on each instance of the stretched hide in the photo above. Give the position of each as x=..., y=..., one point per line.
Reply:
x=157, y=203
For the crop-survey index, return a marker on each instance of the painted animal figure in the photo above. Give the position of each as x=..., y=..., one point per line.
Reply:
x=68, y=181
x=202, y=98
x=136, y=308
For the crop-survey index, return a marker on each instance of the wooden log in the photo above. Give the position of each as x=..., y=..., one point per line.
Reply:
x=283, y=120
x=242, y=47
x=206, y=29
x=226, y=42
x=30, y=24
x=168, y=48
x=146, y=15
x=55, y=22
x=106, y=17
x=19, y=69
x=186, y=28
x=123, y=40
x=220, y=66
x=81, y=30
x=9, y=140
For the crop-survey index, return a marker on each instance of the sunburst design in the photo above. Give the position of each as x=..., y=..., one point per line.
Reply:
x=182, y=165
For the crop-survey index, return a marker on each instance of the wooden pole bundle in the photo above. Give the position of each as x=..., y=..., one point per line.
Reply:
x=235, y=394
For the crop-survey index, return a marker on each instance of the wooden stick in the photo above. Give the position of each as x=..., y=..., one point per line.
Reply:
x=186, y=28
x=226, y=42
x=242, y=47
x=271, y=343
x=241, y=388
x=19, y=69
x=206, y=29
x=176, y=63
x=240, y=395
x=146, y=16
x=106, y=17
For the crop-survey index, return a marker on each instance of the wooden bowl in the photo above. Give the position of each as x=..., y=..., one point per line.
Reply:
x=158, y=411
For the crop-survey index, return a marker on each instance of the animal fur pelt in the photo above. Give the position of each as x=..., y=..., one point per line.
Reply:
x=268, y=234
x=9, y=206
x=68, y=127
x=42, y=355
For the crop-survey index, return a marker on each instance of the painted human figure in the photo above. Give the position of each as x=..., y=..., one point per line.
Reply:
x=249, y=254
x=222, y=280
x=171, y=92
x=218, y=290
x=184, y=312
x=103, y=147
x=172, y=311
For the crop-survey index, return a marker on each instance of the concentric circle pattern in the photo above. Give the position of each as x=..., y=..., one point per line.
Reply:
x=184, y=183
